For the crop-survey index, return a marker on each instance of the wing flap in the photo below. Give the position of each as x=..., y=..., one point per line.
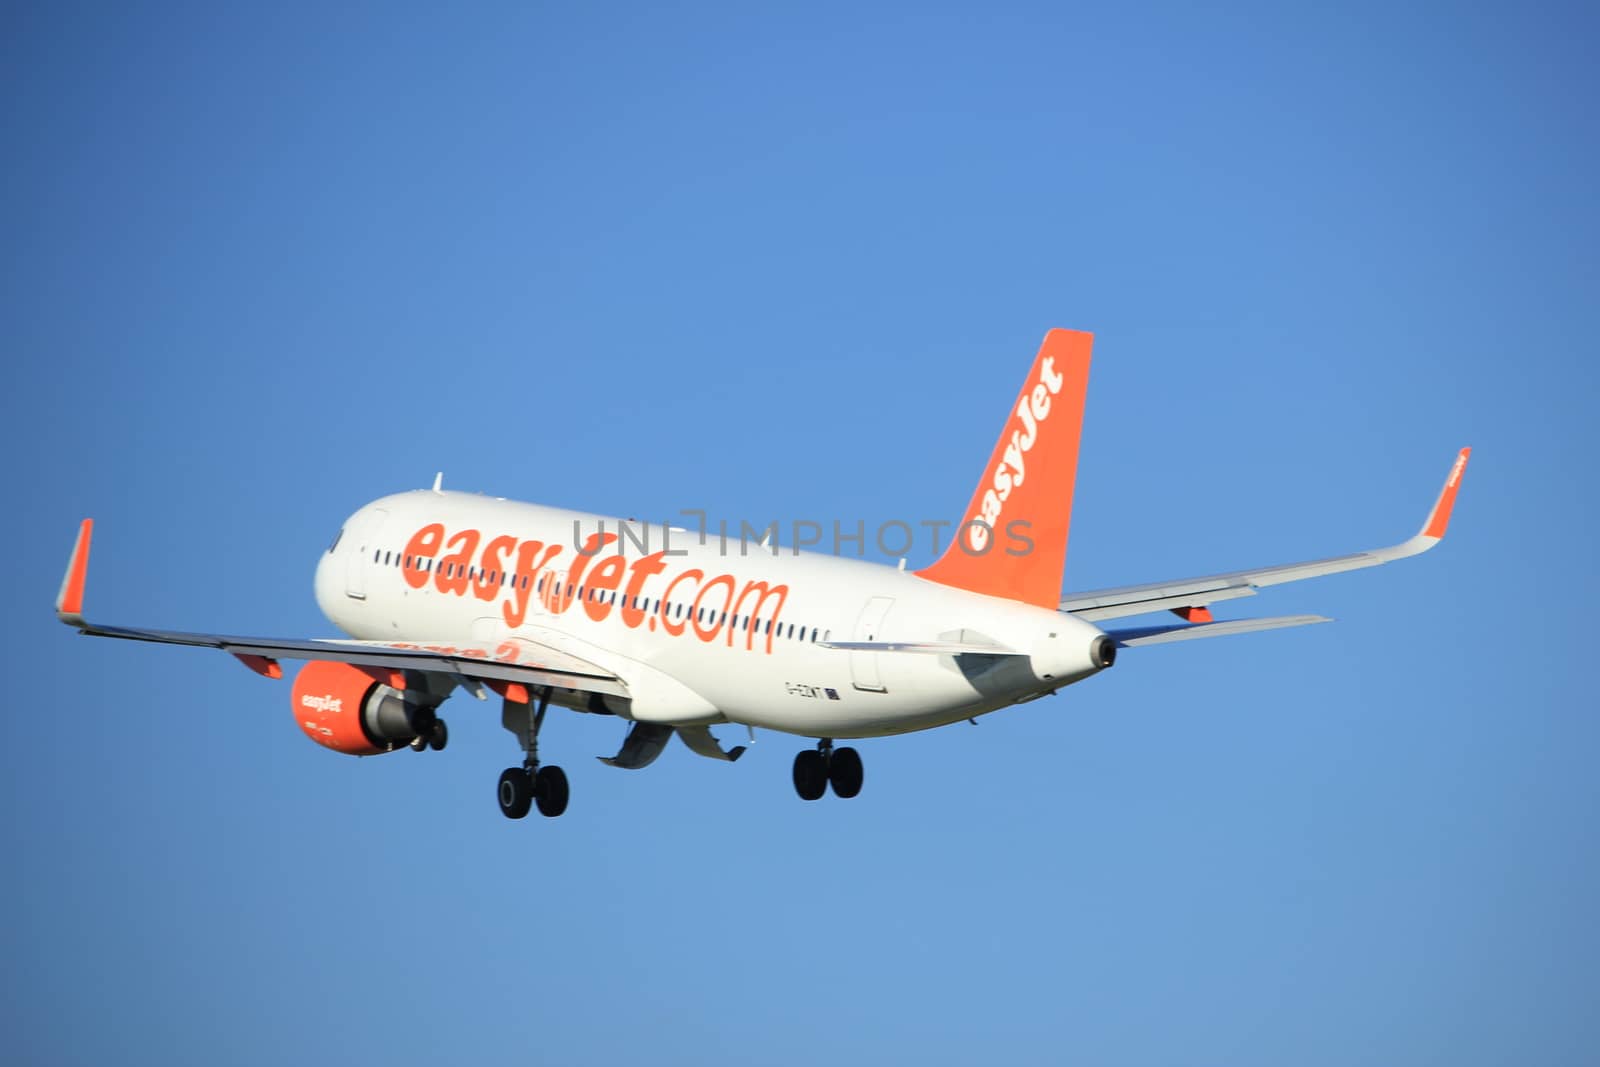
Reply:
x=533, y=666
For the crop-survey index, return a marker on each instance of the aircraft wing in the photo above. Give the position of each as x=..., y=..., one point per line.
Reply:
x=1187, y=596
x=513, y=661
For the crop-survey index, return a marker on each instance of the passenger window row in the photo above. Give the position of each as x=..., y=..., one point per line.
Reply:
x=676, y=610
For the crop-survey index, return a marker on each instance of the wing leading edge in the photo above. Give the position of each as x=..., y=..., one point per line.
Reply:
x=1198, y=592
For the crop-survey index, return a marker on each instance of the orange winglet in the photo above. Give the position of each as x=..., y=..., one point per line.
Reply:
x=1439, y=519
x=267, y=668
x=69, y=601
x=1194, y=614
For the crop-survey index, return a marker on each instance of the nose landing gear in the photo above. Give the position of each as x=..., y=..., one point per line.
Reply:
x=440, y=736
x=817, y=769
x=435, y=737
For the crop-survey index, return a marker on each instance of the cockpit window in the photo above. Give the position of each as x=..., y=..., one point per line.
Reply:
x=336, y=538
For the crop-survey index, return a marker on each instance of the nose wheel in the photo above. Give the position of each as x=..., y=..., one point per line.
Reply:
x=817, y=769
x=523, y=788
x=435, y=737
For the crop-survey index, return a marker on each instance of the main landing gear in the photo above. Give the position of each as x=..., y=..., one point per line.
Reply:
x=816, y=769
x=521, y=788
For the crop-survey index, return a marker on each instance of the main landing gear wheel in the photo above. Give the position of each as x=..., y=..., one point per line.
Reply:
x=845, y=773
x=816, y=769
x=810, y=774
x=516, y=792
x=439, y=736
x=550, y=791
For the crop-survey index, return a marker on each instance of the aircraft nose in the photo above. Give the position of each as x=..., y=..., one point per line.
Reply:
x=322, y=584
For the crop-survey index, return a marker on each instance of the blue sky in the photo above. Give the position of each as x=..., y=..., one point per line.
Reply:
x=264, y=264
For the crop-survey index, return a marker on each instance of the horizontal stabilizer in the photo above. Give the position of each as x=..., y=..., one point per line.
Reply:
x=1160, y=635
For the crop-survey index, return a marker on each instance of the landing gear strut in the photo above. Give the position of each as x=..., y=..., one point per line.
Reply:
x=816, y=769
x=521, y=788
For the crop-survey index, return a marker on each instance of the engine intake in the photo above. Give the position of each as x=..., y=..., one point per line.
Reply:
x=355, y=710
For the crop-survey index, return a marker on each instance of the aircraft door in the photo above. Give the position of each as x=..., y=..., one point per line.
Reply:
x=869, y=627
x=364, y=538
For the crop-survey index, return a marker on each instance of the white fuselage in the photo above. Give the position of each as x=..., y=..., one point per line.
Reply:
x=699, y=632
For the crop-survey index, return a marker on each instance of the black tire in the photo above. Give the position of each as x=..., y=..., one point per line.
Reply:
x=845, y=773
x=810, y=775
x=550, y=790
x=439, y=736
x=515, y=792
x=418, y=744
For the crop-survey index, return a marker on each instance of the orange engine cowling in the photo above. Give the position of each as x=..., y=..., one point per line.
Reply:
x=358, y=710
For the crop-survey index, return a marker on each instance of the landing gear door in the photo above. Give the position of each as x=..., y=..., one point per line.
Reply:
x=364, y=539
x=869, y=627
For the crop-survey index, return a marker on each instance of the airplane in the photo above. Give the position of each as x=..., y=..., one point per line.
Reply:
x=438, y=590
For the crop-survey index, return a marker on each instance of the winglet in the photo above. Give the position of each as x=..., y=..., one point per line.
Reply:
x=1439, y=517
x=69, y=602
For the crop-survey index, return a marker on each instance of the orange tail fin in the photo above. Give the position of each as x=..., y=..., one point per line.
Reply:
x=1012, y=540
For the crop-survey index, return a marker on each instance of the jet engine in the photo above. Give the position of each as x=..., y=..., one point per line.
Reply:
x=361, y=712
